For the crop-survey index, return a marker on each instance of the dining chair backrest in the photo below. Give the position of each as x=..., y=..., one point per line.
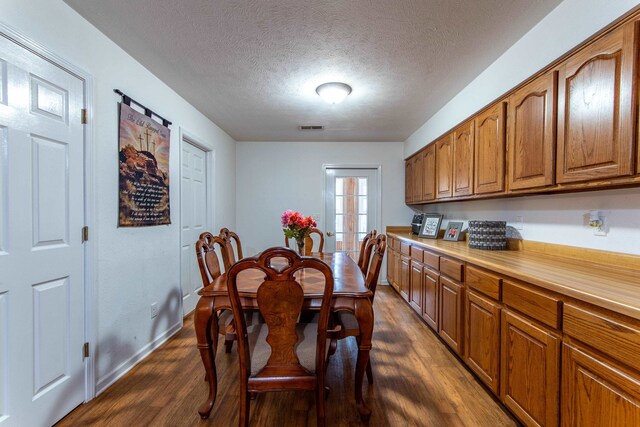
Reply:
x=365, y=251
x=375, y=265
x=208, y=258
x=280, y=300
x=230, y=256
x=308, y=242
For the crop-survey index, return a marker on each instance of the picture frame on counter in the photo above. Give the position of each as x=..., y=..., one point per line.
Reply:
x=430, y=226
x=454, y=231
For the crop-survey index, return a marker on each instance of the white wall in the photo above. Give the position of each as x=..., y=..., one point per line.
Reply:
x=133, y=267
x=275, y=176
x=560, y=218
x=554, y=218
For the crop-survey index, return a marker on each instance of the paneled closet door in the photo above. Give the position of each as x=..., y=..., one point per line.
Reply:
x=42, y=370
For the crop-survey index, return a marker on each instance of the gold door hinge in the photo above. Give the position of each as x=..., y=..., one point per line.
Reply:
x=85, y=233
x=85, y=350
x=83, y=116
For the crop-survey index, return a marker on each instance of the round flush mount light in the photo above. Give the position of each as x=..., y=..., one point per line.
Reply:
x=333, y=92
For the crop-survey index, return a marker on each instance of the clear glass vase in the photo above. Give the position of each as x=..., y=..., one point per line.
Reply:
x=300, y=243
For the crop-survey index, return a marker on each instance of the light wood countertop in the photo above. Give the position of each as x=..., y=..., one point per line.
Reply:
x=609, y=286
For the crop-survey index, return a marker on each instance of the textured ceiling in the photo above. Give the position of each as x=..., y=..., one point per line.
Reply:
x=252, y=66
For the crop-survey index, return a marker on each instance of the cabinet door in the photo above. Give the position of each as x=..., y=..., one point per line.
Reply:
x=490, y=150
x=463, y=141
x=529, y=371
x=444, y=171
x=531, y=136
x=430, y=304
x=596, y=112
x=405, y=277
x=418, y=173
x=416, y=287
x=450, y=328
x=596, y=392
x=390, y=266
x=397, y=271
x=429, y=173
x=408, y=181
x=482, y=338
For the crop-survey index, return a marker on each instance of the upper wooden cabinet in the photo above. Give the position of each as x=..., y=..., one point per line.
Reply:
x=444, y=167
x=596, y=109
x=463, y=141
x=417, y=171
x=532, y=143
x=429, y=173
x=408, y=181
x=490, y=150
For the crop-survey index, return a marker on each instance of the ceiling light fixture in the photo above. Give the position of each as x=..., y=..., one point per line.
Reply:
x=333, y=92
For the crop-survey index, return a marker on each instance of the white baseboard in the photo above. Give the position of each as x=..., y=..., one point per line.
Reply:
x=113, y=376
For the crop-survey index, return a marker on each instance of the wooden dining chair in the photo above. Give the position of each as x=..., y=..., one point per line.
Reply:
x=209, y=265
x=282, y=354
x=230, y=256
x=365, y=251
x=308, y=242
x=346, y=322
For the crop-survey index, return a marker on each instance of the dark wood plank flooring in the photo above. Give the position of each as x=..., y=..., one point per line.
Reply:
x=417, y=382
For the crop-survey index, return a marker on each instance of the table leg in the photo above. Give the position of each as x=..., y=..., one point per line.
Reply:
x=364, y=313
x=206, y=324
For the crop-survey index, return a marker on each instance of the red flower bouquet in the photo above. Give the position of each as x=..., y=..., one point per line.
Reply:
x=297, y=226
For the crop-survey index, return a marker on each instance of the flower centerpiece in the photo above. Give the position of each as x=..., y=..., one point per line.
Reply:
x=297, y=226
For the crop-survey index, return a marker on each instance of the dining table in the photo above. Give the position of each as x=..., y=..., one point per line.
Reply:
x=349, y=294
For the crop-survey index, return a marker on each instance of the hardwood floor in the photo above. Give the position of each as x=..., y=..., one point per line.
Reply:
x=417, y=382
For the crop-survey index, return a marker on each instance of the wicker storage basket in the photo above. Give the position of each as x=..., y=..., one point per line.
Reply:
x=489, y=235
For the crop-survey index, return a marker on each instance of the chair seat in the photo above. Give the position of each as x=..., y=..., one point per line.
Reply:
x=306, y=348
x=347, y=320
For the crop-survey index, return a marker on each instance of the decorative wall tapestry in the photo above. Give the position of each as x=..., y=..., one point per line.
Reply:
x=144, y=170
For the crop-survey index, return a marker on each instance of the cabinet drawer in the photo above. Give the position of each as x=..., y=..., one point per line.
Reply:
x=537, y=305
x=416, y=253
x=484, y=282
x=405, y=248
x=613, y=336
x=431, y=260
x=451, y=268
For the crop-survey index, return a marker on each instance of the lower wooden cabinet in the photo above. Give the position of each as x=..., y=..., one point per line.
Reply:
x=482, y=338
x=451, y=312
x=597, y=393
x=405, y=277
x=390, y=267
x=415, y=295
x=430, y=304
x=529, y=371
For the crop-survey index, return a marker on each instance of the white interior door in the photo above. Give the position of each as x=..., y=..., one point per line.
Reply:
x=351, y=208
x=193, y=210
x=41, y=250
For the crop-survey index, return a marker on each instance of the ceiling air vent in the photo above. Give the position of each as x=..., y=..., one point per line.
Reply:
x=310, y=127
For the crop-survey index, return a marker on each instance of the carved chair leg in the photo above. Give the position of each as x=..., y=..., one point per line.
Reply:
x=228, y=344
x=369, y=372
x=245, y=403
x=333, y=345
x=320, y=397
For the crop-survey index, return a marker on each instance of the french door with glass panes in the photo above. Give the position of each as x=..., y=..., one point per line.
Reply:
x=351, y=208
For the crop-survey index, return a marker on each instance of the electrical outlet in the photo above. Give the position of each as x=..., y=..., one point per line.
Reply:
x=603, y=228
x=154, y=309
x=518, y=223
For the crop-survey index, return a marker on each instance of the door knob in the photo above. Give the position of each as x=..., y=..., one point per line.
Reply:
x=330, y=233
